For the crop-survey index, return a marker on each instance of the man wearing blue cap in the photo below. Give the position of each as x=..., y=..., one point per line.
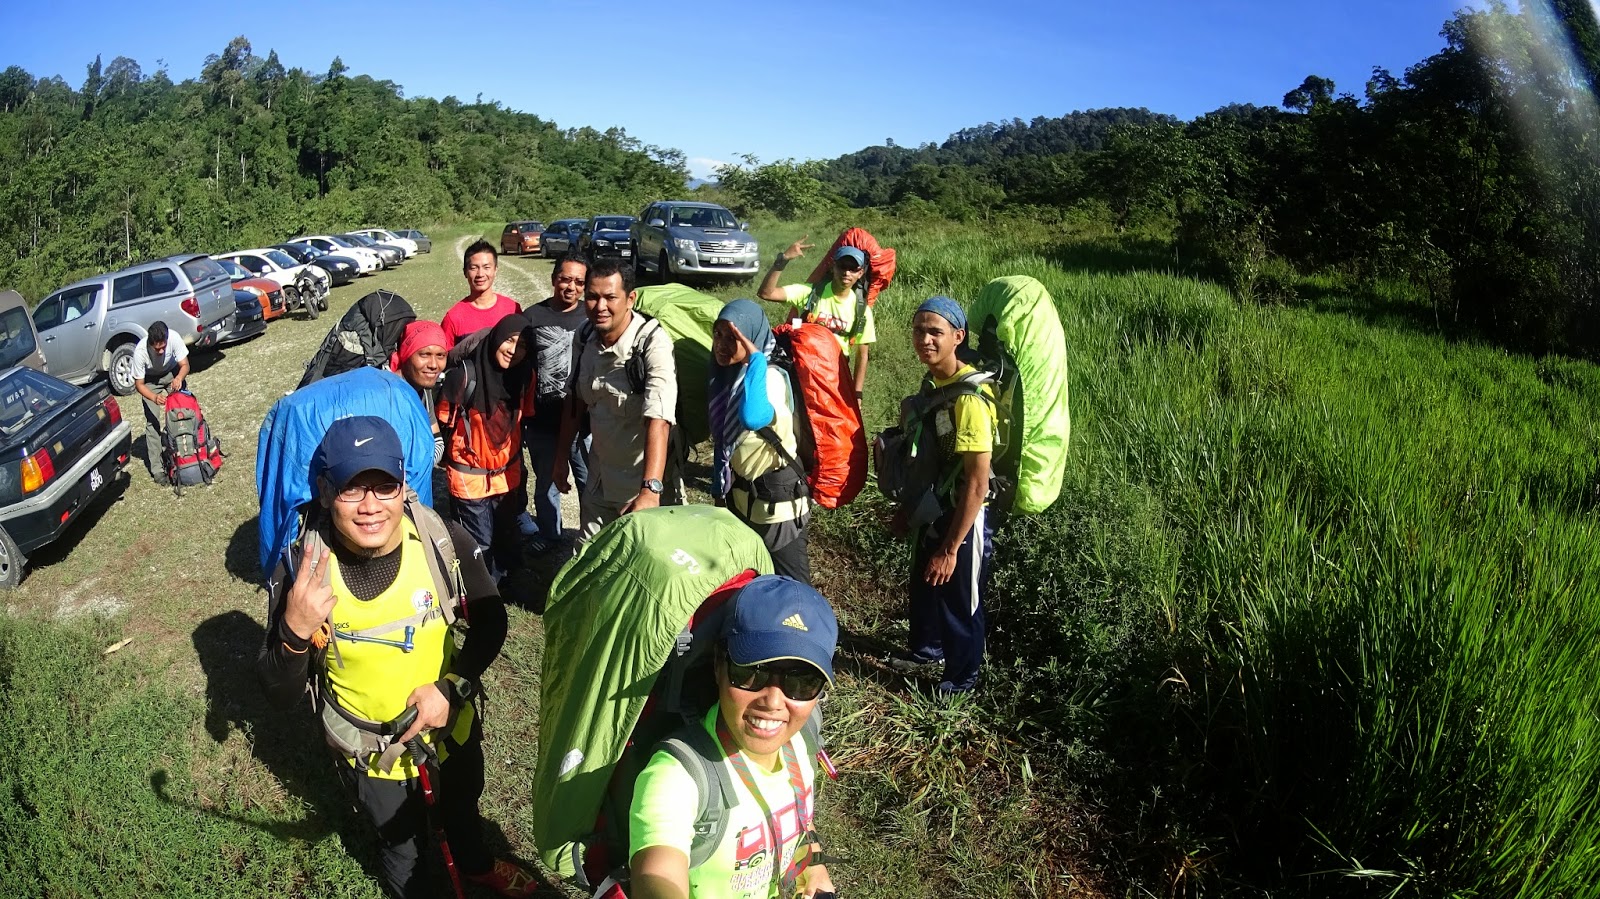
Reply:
x=772, y=664
x=950, y=541
x=363, y=610
x=834, y=303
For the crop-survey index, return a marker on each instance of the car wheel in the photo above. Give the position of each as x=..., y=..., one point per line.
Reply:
x=119, y=371
x=663, y=273
x=12, y=561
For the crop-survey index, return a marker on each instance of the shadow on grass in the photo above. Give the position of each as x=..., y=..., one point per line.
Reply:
x=243, y=555
x=1114, y=257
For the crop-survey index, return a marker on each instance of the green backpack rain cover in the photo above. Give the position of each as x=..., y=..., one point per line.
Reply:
x=688, y=317
x=1017, y=330
x=613, y=618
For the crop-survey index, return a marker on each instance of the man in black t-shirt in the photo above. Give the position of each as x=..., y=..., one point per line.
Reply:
x=555, y=321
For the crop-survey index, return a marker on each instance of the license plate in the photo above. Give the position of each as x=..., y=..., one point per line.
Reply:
x=95, y=479
x=626, y=251
x=721, y=260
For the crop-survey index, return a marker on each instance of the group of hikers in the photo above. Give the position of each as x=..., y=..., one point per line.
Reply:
x=392, y=611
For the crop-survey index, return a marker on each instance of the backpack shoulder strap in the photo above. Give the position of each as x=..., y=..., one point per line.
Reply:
x=635, y=366
x=443, y=563
x=699, y=754
x=859, y=323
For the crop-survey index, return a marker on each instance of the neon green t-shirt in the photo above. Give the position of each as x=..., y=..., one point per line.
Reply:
x=969, y=424
x=663, y=813
x=836, y=311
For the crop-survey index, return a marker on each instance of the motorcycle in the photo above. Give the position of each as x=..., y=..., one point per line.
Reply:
x=309, y=292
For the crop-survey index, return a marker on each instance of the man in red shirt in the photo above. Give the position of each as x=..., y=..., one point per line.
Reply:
x=482, y=307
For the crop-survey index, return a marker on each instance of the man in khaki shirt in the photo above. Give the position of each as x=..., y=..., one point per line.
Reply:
x=626, y=381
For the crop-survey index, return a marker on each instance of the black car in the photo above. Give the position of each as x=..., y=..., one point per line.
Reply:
x=342, y=269
x=248, y=320
x=560, y=237
x=61, y=449
x=607, y=235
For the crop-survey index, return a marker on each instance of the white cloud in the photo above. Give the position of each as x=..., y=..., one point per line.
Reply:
x=703, y=167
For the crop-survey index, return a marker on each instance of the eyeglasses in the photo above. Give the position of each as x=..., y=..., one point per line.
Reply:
x=848, y=265
x=356, y=493
x=570, y=280
x=798, y=681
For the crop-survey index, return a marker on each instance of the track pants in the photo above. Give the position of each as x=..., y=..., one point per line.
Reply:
x=947, y=621
x=398, y=811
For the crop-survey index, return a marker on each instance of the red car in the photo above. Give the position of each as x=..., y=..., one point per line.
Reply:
x=521, y=237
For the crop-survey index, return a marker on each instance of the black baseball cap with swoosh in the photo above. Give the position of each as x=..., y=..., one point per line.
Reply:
x=356, y=444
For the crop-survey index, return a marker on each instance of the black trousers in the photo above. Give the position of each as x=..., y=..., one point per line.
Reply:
x=397, y=809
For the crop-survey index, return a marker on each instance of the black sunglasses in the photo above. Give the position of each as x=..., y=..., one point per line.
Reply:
x=798, y=681
x=849, y=265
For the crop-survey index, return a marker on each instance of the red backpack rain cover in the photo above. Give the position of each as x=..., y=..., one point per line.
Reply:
x=880, y=261
x=833, y=442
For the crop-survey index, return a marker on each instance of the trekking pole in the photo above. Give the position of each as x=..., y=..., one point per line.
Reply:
x=422, y=756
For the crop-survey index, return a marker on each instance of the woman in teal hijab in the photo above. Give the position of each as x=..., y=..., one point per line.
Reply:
x=755, y=470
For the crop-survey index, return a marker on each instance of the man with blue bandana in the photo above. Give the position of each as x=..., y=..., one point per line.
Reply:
x=951, y=540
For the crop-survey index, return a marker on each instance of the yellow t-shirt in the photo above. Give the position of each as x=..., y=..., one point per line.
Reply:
x=663, y=814
x=372, y=680
x=836, y=311
x=969, y=424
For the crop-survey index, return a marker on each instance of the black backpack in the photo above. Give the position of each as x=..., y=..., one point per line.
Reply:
x=366, y=335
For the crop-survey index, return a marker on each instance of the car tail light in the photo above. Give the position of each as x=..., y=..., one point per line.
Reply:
x=113, y=411
x=37, y=471
x=191, y=306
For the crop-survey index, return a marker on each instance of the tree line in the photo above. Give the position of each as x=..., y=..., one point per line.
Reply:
x=130, y=165
x=1470, y=181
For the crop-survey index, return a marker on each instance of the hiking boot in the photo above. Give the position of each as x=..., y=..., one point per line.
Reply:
x=509, y=879
x=910, y=663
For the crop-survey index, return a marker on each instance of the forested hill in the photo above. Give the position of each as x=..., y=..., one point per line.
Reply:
x=1469, y=183
x=867, y=177
x=127, y=165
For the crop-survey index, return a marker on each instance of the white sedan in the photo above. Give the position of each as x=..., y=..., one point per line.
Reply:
x=275, y=265
x=390, y=238
x=369, y=261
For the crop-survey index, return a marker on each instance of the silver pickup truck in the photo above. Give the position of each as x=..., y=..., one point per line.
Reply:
x=90, y=327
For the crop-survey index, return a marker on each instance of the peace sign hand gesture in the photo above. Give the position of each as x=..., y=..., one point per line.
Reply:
x=310, y=599
x=798, y=248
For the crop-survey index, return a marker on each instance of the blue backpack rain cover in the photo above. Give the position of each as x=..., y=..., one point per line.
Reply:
x=295, y=425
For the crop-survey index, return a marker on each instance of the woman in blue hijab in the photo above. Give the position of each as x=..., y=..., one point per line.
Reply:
x=755, y=470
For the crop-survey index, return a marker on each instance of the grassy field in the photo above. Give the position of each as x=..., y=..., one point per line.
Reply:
x=1315, y=615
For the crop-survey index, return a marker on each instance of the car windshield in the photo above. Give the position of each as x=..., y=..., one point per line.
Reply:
x=612, y=223
x=414, y=235
x=26, y=394
x=16, y=336
x=298, y=254
x=202, y=269
x=341, y=242
x=280, y=258
x=360, y=240
x=235, y=271
x=702, y=217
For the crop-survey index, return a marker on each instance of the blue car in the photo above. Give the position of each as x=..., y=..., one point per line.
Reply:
x=560, y=237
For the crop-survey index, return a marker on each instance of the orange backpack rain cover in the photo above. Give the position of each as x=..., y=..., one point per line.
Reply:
x=880, y=261
x=823, y=387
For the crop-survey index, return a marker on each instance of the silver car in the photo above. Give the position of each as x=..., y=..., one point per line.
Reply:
x=675, y=238
x=90, y=327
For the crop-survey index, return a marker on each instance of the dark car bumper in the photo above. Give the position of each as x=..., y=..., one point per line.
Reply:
x=41, y=518
x=244, y=329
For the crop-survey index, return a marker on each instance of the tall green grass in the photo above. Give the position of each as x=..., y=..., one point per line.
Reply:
x=1318, y=608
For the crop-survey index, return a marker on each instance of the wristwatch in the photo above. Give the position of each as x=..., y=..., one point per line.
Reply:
x=653, y=485
x=459, y=690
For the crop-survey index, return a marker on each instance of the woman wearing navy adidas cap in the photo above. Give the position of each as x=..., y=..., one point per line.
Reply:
x=773, y=662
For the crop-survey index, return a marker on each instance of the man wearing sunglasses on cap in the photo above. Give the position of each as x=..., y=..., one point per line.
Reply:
x=839, y=303
x=773, y=662
x=362, y=611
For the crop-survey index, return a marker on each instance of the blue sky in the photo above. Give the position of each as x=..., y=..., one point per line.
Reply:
x=717, y=79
